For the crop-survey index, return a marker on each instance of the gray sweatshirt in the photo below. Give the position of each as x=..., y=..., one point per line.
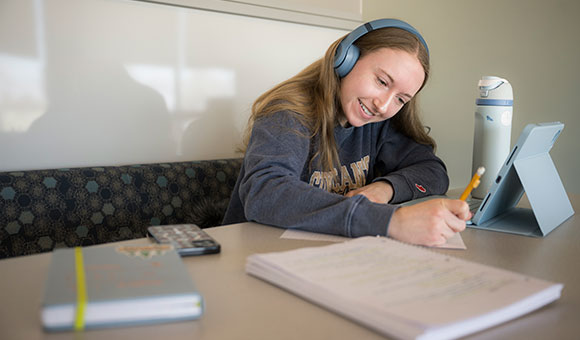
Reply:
x=279, y=186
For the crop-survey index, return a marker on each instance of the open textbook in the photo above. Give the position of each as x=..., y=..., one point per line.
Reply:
x=402, y=290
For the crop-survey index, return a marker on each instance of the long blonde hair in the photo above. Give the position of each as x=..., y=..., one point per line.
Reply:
x=313, y=95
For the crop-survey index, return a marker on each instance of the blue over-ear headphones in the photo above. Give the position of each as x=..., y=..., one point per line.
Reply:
x=347, y=53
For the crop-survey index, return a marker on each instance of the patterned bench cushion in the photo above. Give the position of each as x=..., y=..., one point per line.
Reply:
x=44, y=209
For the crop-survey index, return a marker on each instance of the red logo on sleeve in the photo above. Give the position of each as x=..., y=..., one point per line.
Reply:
x=420, y=188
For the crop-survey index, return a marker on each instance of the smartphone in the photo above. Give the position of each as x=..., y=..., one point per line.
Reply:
x=187, y=239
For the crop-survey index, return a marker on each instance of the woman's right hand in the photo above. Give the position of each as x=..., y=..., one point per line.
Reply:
x=429, y=223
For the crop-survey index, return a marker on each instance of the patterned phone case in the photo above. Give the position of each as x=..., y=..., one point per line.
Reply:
x=188, y=239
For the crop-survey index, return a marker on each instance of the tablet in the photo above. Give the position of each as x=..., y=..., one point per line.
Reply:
x=530, y=169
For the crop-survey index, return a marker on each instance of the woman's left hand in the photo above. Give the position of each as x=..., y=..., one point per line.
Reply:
x=378, y=192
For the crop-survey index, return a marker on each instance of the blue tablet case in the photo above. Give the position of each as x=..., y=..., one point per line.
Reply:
x=528, y=169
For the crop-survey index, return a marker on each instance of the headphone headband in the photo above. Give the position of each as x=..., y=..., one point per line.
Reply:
x=347, y=53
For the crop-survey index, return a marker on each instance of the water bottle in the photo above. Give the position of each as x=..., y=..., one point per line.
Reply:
x=492, y=133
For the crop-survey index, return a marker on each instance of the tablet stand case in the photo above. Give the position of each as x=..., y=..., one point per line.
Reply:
x=539, y=179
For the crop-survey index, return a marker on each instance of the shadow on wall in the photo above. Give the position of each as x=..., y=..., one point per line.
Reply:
x=212, y=136
x=97, y=111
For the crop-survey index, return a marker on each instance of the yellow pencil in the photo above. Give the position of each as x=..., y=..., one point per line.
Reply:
x=473, y=184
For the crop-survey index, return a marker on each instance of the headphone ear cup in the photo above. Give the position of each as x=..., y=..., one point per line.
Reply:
x=351, y=57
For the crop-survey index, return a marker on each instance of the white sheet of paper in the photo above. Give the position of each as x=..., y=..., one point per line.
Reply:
x=455, y=242
x=310, y=236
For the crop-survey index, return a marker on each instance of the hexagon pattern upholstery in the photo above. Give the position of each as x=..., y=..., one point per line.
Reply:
x=44, y=209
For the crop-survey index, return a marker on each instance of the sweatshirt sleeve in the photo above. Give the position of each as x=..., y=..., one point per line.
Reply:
x=412, y=168
x=272, y=192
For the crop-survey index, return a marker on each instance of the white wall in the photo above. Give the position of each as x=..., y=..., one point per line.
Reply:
x=108, y=82
x=104, y=82
x=535, y=44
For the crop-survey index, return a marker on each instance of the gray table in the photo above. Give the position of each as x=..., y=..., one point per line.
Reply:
x=239, y=306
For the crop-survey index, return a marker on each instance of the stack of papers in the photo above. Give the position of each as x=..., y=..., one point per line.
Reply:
x=403, y=290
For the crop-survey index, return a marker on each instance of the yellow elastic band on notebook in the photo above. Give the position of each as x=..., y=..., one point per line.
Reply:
x=81, y=290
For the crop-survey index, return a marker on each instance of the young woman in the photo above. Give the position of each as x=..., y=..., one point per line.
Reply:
x=334, y=148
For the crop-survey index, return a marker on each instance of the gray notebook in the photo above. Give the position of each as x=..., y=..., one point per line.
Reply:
x=125, y=285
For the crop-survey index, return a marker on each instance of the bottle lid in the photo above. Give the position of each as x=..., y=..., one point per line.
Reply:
x=495, y=88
